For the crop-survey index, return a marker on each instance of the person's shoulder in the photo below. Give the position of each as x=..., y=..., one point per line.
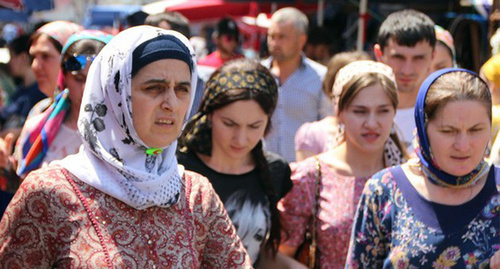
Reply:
x=39, y=107
x=497, y=176
x=383, y=182
x=47, y=179
x=275, y=159
x=317, y=67
x=266, y=62
x=302, y=168
x=280, y=173
x=213, y=60
x=197, y=182
x=278, y=166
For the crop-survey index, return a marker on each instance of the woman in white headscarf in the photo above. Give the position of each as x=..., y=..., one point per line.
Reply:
x=123, y=200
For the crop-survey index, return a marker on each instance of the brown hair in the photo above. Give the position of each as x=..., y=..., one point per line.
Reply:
x=456, y=86
x=338, y=61
x=54, y=42
x=361, y=81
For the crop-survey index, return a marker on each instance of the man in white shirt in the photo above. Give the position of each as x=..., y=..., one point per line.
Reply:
x=299, y=78
x=405, y=42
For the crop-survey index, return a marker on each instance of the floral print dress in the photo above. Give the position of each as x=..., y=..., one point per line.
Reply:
x=395, y=227
x=338, y=197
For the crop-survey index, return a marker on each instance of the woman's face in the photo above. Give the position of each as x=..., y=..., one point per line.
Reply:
x=368, y=119
x=442, y=58
x=46, y=64
x=75, y=81
x=160, y=99
x=458, y=136
x=237, y=128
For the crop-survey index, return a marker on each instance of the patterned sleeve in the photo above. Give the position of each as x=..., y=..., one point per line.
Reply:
x=31, y=224
x=223, y=248
x=369, y=242
x=296, y=207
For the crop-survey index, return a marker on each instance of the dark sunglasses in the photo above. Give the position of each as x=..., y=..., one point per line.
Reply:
x=78, y=62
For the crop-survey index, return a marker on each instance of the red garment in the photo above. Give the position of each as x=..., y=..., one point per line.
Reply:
x=47, y=226
x=215, y=60
x=339, y=197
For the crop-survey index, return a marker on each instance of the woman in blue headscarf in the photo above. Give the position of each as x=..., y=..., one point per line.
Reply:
x=440, y=210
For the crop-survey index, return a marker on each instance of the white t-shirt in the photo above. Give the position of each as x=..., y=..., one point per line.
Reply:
x=405, y=123
x=66, y=142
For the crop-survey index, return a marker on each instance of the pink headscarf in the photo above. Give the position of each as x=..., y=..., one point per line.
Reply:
x=59, y=30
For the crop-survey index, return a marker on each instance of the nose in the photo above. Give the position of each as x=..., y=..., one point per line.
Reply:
x=371, y=121
x=462, y=142
x=35, y=65
x=240, y=137
x=407, y=67
x=169, y=100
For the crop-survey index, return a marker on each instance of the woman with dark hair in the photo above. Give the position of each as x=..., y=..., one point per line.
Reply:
x=53, y=134
x=440, y=210
x=327, y=187
x=123, y=201
x=46, y=46
x=223, y=142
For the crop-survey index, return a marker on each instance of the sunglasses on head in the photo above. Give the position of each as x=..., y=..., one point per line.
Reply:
x=78, y=62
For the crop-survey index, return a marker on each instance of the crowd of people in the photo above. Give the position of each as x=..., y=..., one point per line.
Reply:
x=132, y=151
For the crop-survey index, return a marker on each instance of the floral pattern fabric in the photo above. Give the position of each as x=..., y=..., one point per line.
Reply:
x=47, y=226
x=388, y=233
x=338, y=198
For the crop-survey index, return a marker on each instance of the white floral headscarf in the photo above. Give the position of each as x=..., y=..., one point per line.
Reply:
x=113, y=158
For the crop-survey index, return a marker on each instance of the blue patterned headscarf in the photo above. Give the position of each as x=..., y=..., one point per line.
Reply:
x=422, y=146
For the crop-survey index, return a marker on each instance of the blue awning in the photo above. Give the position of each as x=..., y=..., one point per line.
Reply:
x=109, y=15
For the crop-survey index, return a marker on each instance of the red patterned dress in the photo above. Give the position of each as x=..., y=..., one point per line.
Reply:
x=339, y=197
x=57, y=221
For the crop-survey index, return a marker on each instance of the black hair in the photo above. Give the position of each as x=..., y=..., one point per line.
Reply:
x=175, y=20
x=407, y=27
x=20, y=44
x=54, y=42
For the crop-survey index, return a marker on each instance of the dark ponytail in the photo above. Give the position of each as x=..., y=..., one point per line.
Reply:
x=272, y=243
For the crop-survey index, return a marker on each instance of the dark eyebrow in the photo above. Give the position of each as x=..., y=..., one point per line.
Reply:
x=472, y=127
x=380, y=106
x=154, y=80
x=256, y=122
x=184, y=83
x=228, y=119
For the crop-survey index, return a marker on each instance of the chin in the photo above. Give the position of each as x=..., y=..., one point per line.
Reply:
x=460, y=172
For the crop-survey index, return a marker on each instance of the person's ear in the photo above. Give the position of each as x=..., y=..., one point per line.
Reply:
x=25, y=58
x=378, y=52
x=302, y=40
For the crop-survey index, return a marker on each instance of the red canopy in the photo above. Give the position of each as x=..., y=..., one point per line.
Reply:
x=12, y=4
x=196, y=10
